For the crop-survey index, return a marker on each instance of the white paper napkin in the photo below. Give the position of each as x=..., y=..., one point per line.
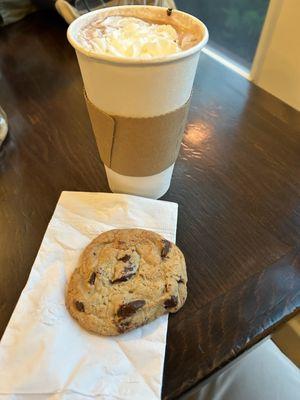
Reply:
x=44, y=353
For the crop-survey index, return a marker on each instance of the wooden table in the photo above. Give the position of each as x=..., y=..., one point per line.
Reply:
x=237, y=183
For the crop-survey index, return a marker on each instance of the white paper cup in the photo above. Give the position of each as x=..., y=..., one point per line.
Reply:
x=139, y=88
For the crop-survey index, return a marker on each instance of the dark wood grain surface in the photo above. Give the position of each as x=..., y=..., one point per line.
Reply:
x=237, y=183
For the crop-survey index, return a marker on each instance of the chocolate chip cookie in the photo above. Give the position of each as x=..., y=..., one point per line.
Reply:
x=125, y=279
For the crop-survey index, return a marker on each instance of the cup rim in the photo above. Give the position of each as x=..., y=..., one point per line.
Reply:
x=134, y=60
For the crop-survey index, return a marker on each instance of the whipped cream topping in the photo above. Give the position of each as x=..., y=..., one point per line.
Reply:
x=129, y=37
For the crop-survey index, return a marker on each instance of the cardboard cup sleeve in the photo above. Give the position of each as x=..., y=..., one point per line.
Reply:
x=138, y=146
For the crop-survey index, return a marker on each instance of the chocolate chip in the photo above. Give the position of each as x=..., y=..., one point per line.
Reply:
x=92, y=278
x=171, y=302
x=79, y=305
x=94, y=253
x=169, y=11
x=128, y=309
x=124, y=272
x=166, y=248
x=123, y=326
x=124, y=258
x=130, y=268
x=180, y=280
x=123, y=278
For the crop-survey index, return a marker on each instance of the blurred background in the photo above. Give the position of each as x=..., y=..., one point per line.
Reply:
x=234, y=25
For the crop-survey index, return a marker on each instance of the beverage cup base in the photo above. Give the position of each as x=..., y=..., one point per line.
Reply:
x=153, y=187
